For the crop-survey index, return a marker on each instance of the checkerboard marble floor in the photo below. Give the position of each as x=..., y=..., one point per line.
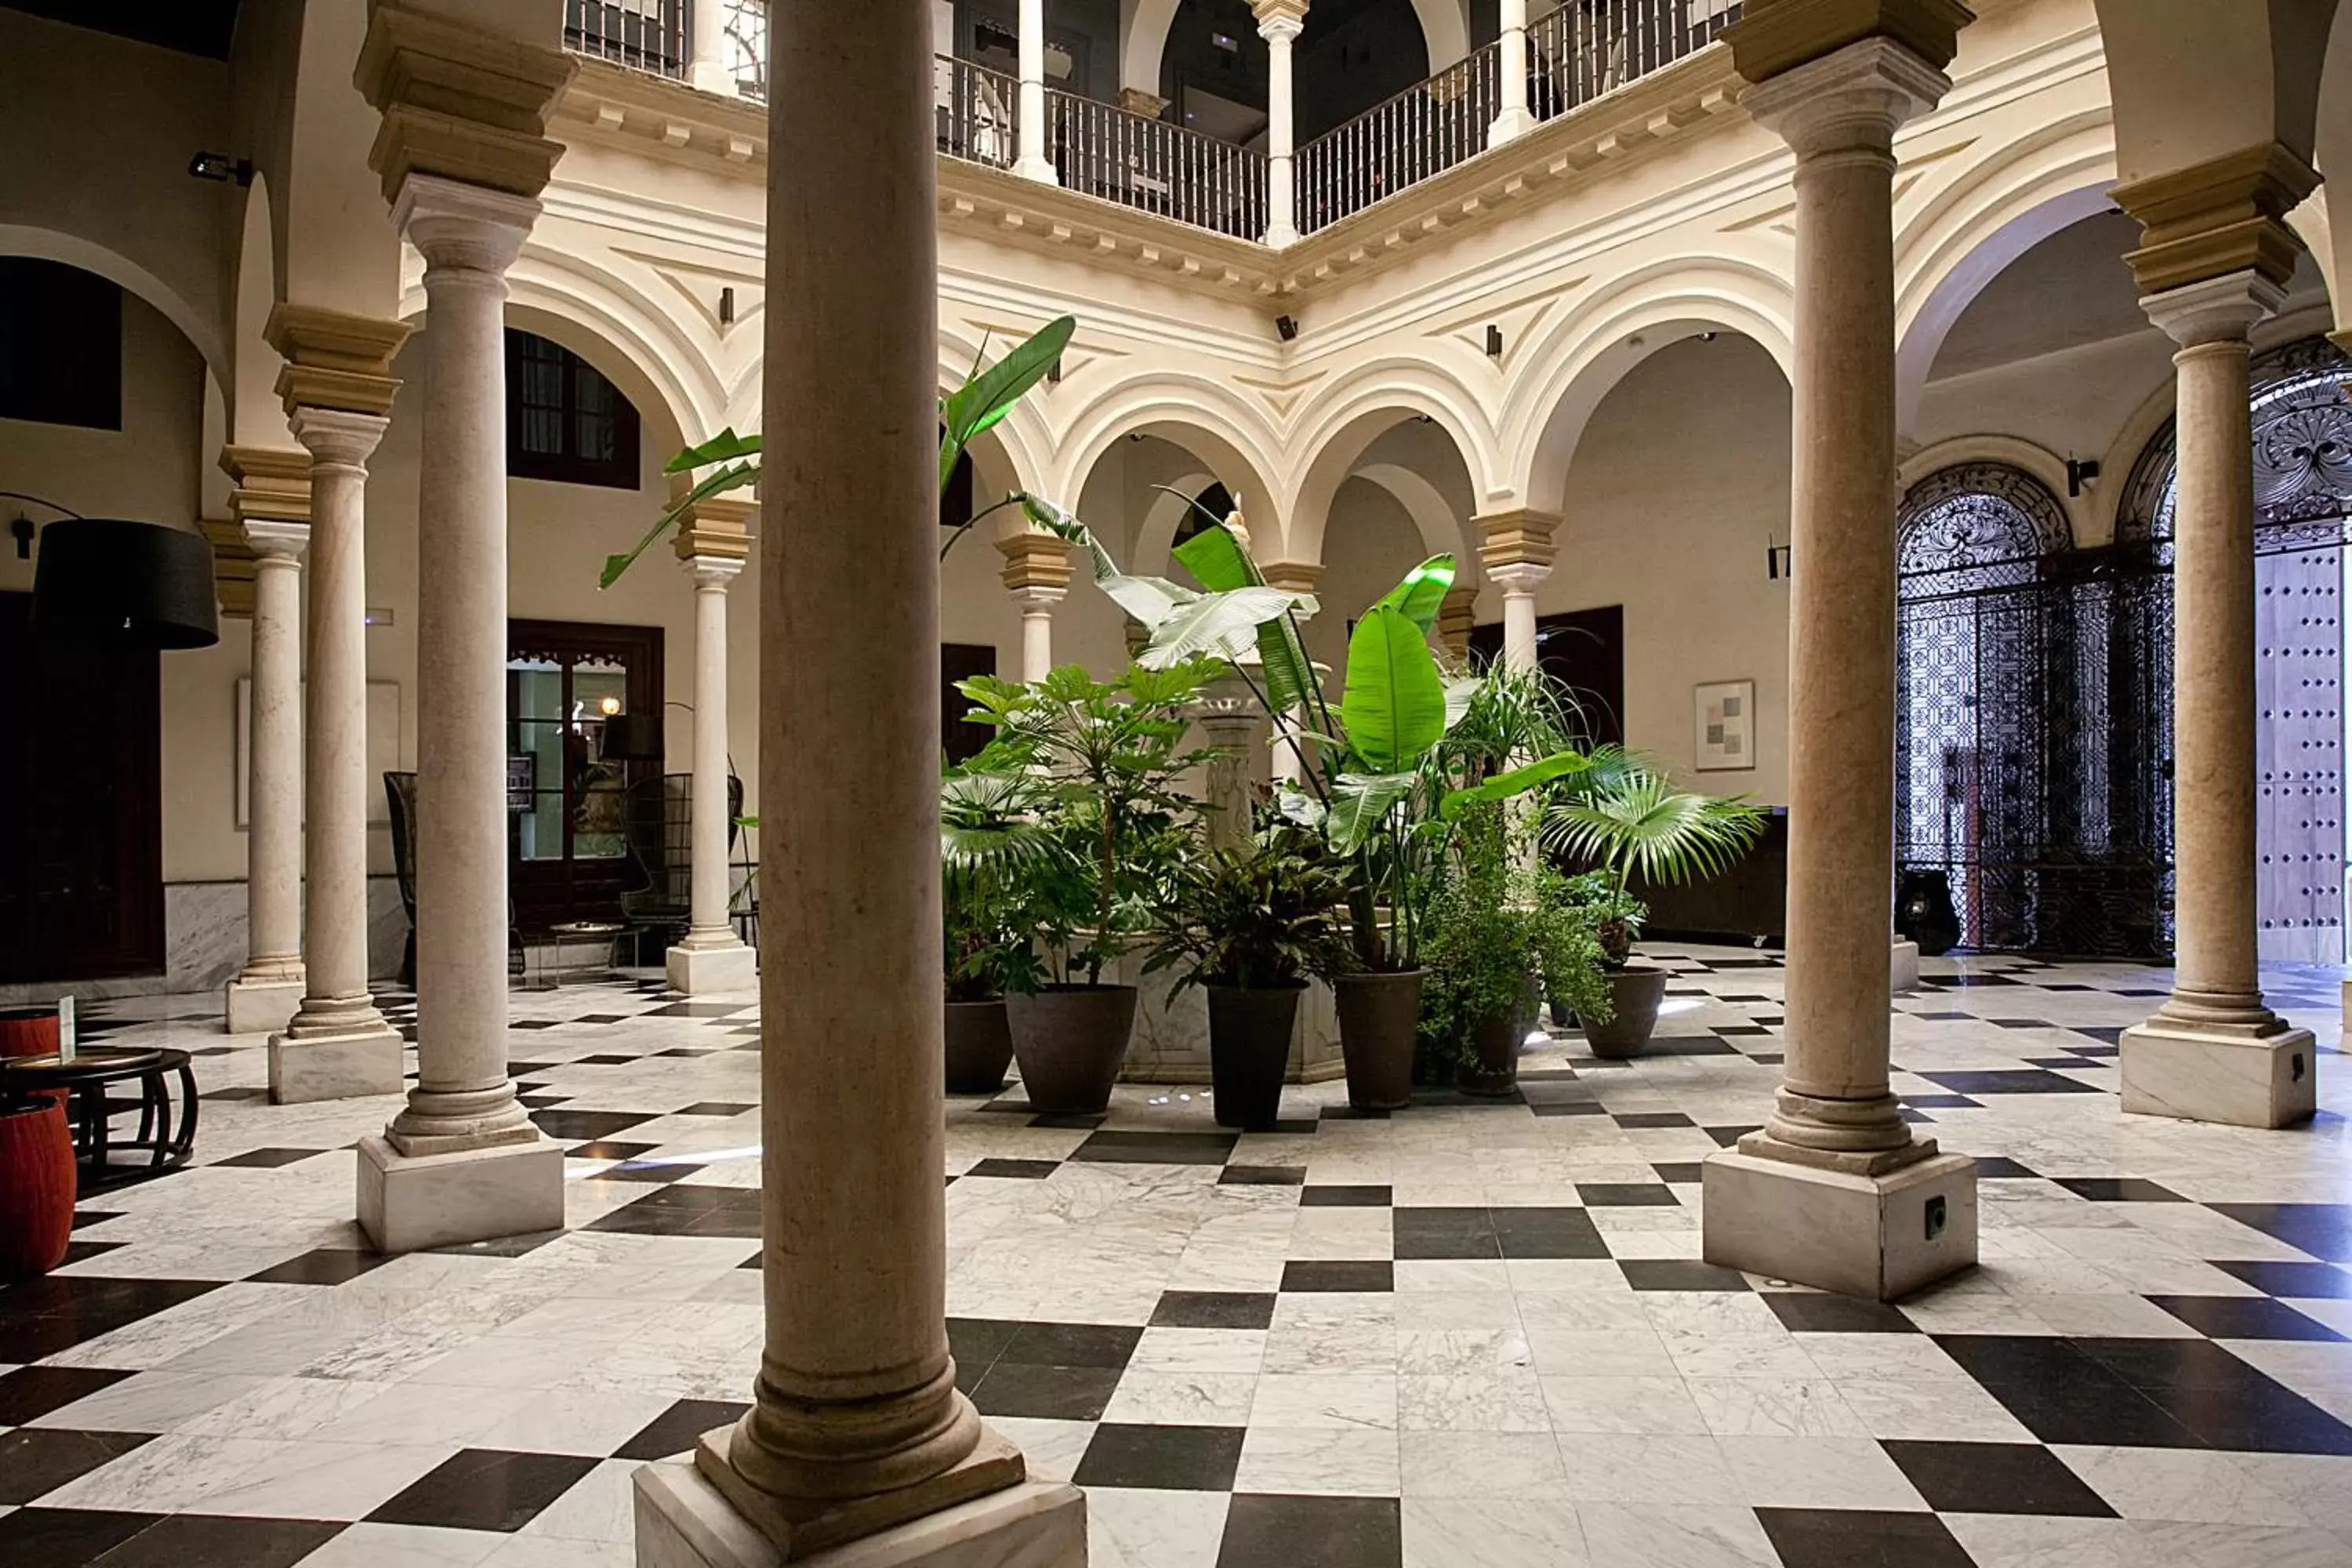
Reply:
x=1474, y=1334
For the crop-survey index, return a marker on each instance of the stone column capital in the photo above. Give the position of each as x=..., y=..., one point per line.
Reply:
x=1136, y=100
x=716, y=529
x=338, y=437
x=1036, y=562
x=2224, y=215
x=714, y=571
x=2216, y=310
x=333, y=359
x=1519, y=543
x=1780, y=36
x=276, y=542
x=268, y=484
x=1853, y=100
x=1457, y=617
x=1292, y=576
x=462, y=227
x=463, y=103
x=1283, y=19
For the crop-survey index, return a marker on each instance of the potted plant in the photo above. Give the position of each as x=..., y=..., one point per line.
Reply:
x=1250, y=926
x=1625, y=814
x=1107, y=757
x=990, y=833
x=1497, y=920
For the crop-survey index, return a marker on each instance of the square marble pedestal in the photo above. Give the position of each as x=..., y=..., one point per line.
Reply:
x=1903, y=965
x=258, y=1006
x=304, y=1068
x=706, y=971
x=408, y=1202
x=1881, y=1238
x=683, y=1521
x=2173, y=1069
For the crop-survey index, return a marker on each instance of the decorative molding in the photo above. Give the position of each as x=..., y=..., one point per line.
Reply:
x=334, y=360
x=2217, y=309
x=461, y=103
x=716, y=529
x=2226, y=214
x=235, y=566
x=1035, y=562
x=1776, y=35
x=1518, y=537
x=268, y=484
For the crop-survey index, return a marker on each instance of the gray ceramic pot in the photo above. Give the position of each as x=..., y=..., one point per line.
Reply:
x=980, y=1047
x=1637, y=990
x=1378, y=1017
x=1249, y=1050
x=1070, y=1041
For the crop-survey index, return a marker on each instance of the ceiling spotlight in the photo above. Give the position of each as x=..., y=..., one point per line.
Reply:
x=222, y=169
x=1707, y=337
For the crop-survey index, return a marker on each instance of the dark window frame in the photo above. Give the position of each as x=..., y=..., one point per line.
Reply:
x=582, y=397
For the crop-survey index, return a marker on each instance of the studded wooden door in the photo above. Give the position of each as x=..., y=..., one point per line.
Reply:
x=2299, y=755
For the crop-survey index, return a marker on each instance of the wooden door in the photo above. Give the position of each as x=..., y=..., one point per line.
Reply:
x=569, y=854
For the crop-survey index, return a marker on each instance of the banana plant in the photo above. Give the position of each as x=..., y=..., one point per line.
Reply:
x=971, y=411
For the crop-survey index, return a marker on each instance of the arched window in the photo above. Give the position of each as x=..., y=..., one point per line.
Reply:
x=2302, y=456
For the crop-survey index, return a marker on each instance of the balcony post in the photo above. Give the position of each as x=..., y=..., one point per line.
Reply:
x=1279, y=22
x=1513, y=118
x=1035, y=162
x=706, y=47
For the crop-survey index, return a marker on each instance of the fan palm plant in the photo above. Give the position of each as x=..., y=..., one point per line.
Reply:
x=1625, y=814
x=994, y=843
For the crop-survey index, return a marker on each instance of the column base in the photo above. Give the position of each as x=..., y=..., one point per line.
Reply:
x=1880, y=1238
x=263, y=1004
x=1041, y=170
x=1509, y=126
x=2211, y=1073
x=1280, y=235
x=306, y=1068
x=1905, y=964
x=684, y=1521
x=408, y=1202
x=701, y=971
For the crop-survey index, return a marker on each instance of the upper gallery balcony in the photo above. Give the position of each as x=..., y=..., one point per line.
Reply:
x=1219, y=152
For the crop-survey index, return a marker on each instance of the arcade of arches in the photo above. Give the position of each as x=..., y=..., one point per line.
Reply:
x=1973, y=386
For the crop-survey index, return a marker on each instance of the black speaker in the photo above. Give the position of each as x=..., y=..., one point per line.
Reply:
x=1286, y=328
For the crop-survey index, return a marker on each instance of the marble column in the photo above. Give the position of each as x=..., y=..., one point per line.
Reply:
x=2213, y=1051
x=857, y=1432
x=707, y=48
x=1037, y=575
x=1036, y=160
x=1516, y=552
x=1290, y=757
x=1514, y=118
x=1279, y=22
x=1835, y=1192
x=337, y=1044
x=463, y=1162
x=714, y=545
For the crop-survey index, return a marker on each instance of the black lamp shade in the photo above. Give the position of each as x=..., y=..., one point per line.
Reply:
x=137, y=585
x=631, y=737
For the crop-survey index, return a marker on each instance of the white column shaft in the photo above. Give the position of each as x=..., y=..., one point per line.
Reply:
x=1519, y=628
x=1281, y=173
x=1512, y=117
x=1035, y=162
x=273, y=886
x=712, y=818
x=707, y=48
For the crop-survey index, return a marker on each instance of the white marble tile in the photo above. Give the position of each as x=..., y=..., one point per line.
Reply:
x=406, y=1546
x=1624, y=1535
x=1129, y=1529
x=2185, y=1484
x=1774, y=1407
x=1319, y=1462
x=1480, y=1465
x=1326, y=1399
x=1817, y=1472
x=1446, y=1532
x=1622, y=1468
x=1183, y=1398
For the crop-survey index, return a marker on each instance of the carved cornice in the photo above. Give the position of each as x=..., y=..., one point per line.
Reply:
x=1776, y=35
x=334, y=360
x=1036, y=562
x=717, y=529
x=2224, y=215
x=234, y=566
x=461, y=103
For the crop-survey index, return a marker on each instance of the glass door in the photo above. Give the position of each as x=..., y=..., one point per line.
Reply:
x=570, y=765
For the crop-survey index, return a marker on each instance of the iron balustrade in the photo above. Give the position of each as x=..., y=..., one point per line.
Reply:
x=978, y=110
x=1157, y=166
x=653, y=35
x=1591, y=47
x=1423, y=131
x=743, y=46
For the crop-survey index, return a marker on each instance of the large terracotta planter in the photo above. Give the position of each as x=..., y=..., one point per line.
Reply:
x=1637, y=990
x=1380, y=1015
x=1070, y=1041
x=36, y=1189
x=980, y=1047
x=1249, y=1050
x=1497, y=1040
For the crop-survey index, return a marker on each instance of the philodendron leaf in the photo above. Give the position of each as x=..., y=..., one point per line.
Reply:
x=724, y=447
x=1517, y=782
x=734, y=476
x=1423, y=593
x=1361, y=803
x=1394, y=705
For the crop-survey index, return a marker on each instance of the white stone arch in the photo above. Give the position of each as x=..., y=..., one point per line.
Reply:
x=2046, y=468
x=1946, y=253
x=1445, y=31
x=1201, y=415
x=201, y=328
x=255, y=415
x=1155, y=539
x=1441, y=532
x=1334, y=436
x=1581, y=359
x=1143, y=41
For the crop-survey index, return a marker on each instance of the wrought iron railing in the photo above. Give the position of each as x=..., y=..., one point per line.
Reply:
x=743, y=46
x=1161, y=167
x=978, y=110
x=1588, y=47
x=1423, y=130
x=654, y=35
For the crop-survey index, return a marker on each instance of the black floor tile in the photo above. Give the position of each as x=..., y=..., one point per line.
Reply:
x=699, y=1010
x=2118, y=1190
x=65, y=1537
x=1689, y=1173
x=1999, y=1167
x=1443, y=1233
x=485, y=1488
x=205, y=1541
x=1164, y=1459
x=501, y=1245
x=1942, y=1102
x=1344, y=1197
x=643, y=1174
x=322, y=1266
x=1158, y=1148
x=1995, y=1478
x=1638, y=1119
x=1838, y=1538
x=1626, y=1195
x=37, y=1461
x=1015, y=1170
x=1570, y=1107
x=1263, y=1176
x=1046, y=1393
x=675, y=1430
x=1195, y=1309
x=2301, y=1281
x=1679, y=1274
x=1265, y=1531
x=2244, y=1318
x=1695, y=1045
x=2324, y=1230
x=42, y=1317
x=1804, y=1313
x=1070, y=1344
x=268, y=1158
x=2063, y=1395
x=976, y=1342
x=566, y=1126
x=31, y=1392
x=1069, y=1120
x=2012, y=1080
x=1547, y=1233
x=717, y=1107
x=1317, y=1275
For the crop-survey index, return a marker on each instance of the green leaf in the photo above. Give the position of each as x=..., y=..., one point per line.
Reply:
x=1224, y=625
x=1217, y=558
x=1513, y=783
x=1361, y=803
x=1299, y=807
x=984, y=401
x=1394, y=705
x=724, y=447
x=1423, y=593
x=733, y=477
x=1460, y=693
x=1644, y=823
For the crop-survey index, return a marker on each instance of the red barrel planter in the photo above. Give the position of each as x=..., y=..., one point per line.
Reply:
x=36, y=1189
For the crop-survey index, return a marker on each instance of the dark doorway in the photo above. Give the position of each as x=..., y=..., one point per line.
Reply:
x=81, y=826
x=959, y=739
x=1584, y=650
x=568, y=843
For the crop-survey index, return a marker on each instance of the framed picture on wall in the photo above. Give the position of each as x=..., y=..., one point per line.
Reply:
x=1725, y=712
